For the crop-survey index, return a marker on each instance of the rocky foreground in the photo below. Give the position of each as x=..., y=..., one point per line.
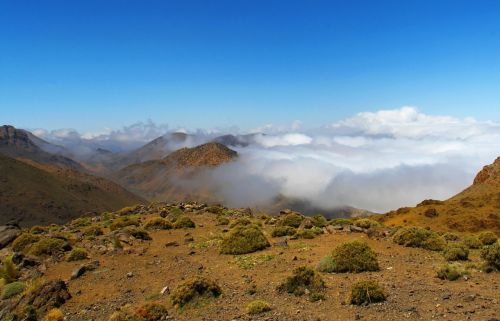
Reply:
x=191, y=261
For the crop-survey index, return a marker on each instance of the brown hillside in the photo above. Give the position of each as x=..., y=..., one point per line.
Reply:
x=33, y=193
x=18, y=143
x=159, y=179
x=475, y=209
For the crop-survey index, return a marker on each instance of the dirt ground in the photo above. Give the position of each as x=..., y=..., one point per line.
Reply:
x=407, y=274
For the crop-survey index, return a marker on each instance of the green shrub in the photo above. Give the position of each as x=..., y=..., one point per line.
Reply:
x=326, y=265
x=174, y=214
x=306, y=234
x=491, y=255
x=319, y=220
x=355, y=256
x=37, y=229
x=124, y=221
x=244, y=222
x=23, y=241
x=47, y=246
x=419, y=237
x=341, y=221
x=195, y=288
x=366, y=223
x=366, y=292
x=451, y=237
x=92, y=231
x=257, y=307
x=158, y=224
x=76, y=254
x=215, y=209
x=456, y=252
x=12, y=289
x=487, y=238
x=472, y=242
x=152, y=312
x=283, y=231
x=81, y=222
x=222, y=220
x=303, y=279
x=8, y=270
x=243, y=239
x=137, y=232
x=184, y=222
x=451, y=272
x=292, y=220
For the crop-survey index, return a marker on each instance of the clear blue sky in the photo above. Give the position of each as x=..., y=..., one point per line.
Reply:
x=92, y=64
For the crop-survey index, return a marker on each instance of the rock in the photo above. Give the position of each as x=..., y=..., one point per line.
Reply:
x=283, y=242
x=357, y=229
x=130, y=274
x=50, y=295
x=285, y=212
x=8, y=234
x=78, y=272
x=165, y=290
x=173, y=243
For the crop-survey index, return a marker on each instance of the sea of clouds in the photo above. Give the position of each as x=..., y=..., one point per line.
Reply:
x=373, y=160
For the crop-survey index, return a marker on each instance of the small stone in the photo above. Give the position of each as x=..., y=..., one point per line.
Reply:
x=130, y=274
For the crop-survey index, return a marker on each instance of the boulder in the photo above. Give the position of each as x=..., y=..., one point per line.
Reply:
x=51, y=294
x=8, y=234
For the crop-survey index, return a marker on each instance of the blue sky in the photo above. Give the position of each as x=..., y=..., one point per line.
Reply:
x=202, y=64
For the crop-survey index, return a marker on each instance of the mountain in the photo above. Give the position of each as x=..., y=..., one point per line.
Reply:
x=35, y=193
x=19, y=143
x=159, y=179
x=474, y=209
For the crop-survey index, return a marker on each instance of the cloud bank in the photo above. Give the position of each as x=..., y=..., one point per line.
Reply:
x=373, y=160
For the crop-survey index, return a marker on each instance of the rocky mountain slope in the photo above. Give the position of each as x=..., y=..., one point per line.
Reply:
x=159, y=179
x=18, y=143
x=191, y=261
x=474, y=209
x=35, y=193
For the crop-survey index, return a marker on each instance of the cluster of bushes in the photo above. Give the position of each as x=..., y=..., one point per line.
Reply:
x=456, y=252
x=419, y=237
x=355, y=256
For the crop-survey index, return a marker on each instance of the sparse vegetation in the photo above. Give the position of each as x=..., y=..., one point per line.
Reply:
x=456, y=252
x=222, y=220
x=319, y=220
x=243, y=239
x=158, y=223
x=491, y=255
x=193, y=289
x=92, y=231
x=451, y=272
x=292, y=219
x=148, y=312
x=487, y=238
x=419, y=237
x=81, y=222
x=47, y=246
x=257, y=307
x=366, y=292
x=8, y=271
x=308, y=233
x=77, y=254
x=283, y=231
x=451, y=236
x=12, y=289
x=184, y=221
x=355, y=256
x=326, y=265
x=303, y=279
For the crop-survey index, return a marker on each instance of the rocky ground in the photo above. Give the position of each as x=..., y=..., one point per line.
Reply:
x=140, y=271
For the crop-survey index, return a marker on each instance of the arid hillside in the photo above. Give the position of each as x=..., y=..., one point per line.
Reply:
x=34, y=193
x=159, y=179
x=477, y=208
x=191, y=261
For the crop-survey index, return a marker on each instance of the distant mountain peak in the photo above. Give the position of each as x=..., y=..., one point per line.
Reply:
x=489, y=174
x=209, y=154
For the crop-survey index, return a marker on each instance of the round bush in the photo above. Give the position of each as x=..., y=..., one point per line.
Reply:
x=194, y=288
x=491, y=255
x=355, y=256
x=47, y=246
x=158, y=224
x=257, y=307
x=243, y=239
x=303, y=279
x=456, y=252
x=184, y=222
x=472, y=242
x=487, y=238
x=23, y=241
x=367, y=292
x=283, y=231
x=12, y=289
x=450, y=272
x=326, y=265
x=419, y=237
x=292, y=219
x=77, y=254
